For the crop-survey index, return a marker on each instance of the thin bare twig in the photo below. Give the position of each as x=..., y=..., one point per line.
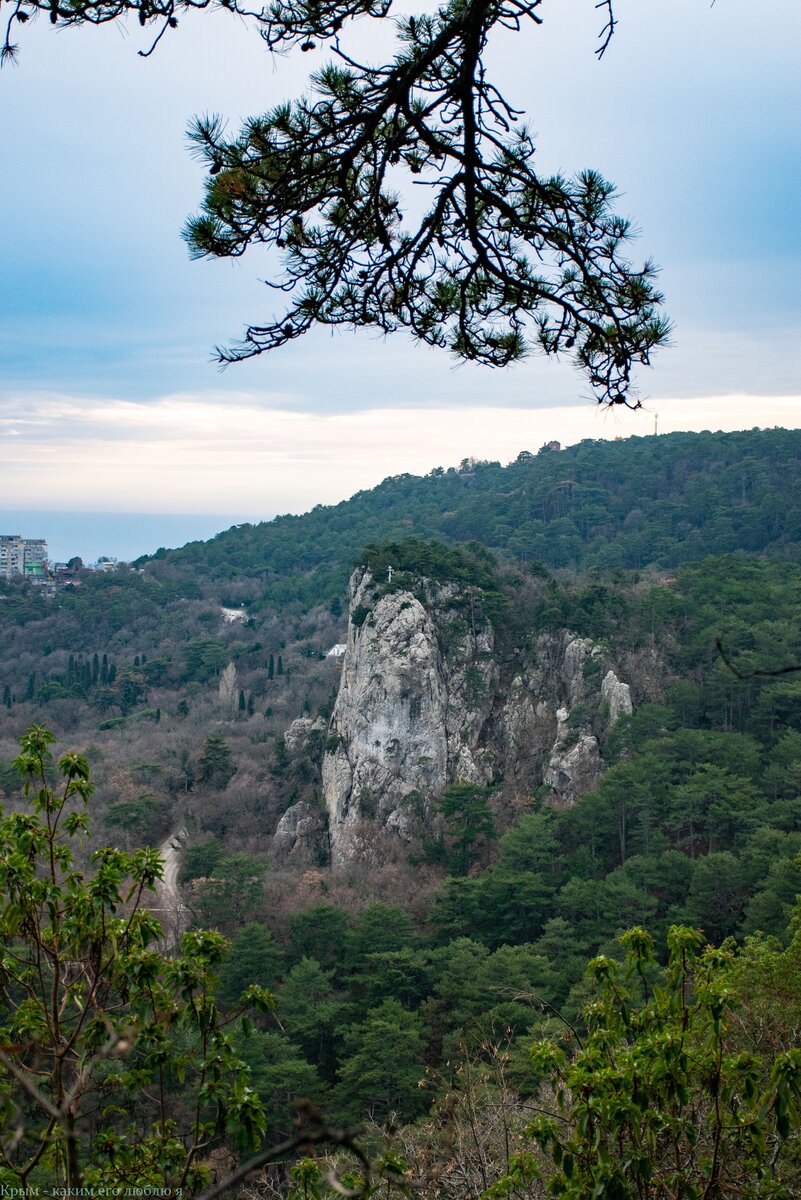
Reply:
x=313, y=1134
x=755, y=674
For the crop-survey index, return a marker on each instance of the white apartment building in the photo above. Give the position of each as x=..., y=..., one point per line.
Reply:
x=12, y=554
x=22, y=556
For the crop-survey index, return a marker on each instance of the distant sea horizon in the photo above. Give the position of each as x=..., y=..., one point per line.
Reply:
x=121, y=535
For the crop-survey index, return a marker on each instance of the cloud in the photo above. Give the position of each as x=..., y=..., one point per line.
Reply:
x=690, y=118
x=251, y=453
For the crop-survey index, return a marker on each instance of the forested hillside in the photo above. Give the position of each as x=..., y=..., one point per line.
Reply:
x=409, y=993
x=651, y=500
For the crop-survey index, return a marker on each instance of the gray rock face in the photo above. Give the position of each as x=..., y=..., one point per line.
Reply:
x=575, y=765
x=547, y=719
x=301, y=837
x=424, y=702
x=407, y=723
x=299, y=731
x=617, y=695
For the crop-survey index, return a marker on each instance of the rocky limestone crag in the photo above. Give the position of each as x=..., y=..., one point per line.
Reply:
x=427, y=699
x=617, y=695
x=301, y=730
x=301, y=837
x=416, y=689
x=575, y=763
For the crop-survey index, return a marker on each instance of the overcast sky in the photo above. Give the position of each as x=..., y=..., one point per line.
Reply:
x=109, y=399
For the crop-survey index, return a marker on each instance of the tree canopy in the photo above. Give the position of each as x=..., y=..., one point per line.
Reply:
x=98, y=1025
x=660, y=1099
x=406, y=195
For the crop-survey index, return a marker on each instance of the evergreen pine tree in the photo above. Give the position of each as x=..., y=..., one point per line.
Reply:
x=214, y=764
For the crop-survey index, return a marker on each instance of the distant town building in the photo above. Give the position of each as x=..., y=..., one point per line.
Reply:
x=11, y=554
x=337, y=651
x=35, y=557
x=26, y=557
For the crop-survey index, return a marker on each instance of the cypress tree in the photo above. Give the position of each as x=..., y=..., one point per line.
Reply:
x=271, y=667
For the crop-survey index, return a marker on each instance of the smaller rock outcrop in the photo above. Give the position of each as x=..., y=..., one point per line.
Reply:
x=617, y=696
x=300, y=731
x=575, y=763
x=301, y=837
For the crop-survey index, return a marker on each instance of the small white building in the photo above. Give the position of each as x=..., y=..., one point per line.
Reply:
x=231, y=615
x=337, y=651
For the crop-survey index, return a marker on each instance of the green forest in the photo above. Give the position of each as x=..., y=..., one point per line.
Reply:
x=597, y=1000
x=599, y=504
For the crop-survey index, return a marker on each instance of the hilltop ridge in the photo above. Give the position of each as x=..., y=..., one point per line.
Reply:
x=609, y=505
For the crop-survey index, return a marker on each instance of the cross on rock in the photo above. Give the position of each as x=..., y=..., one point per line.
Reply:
x=390, y=573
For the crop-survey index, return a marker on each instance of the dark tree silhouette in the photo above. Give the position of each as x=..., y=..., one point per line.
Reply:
x=498, y=260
